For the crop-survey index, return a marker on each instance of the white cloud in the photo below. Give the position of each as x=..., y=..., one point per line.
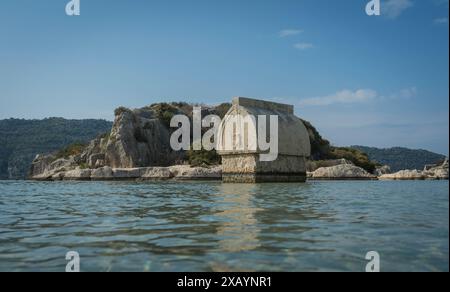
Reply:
x=406, y=93
x=344, y=96
x=289, y=32
x=358, y=96
x=442, y=20
x=393, y=8
x=303, y=46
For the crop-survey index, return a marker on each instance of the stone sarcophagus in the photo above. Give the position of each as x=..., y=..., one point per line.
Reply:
x=262, y=141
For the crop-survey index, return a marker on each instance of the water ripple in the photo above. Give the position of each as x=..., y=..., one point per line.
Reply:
x=318, y=226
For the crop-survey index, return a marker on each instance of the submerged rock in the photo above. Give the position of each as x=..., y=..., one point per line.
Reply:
x=342, y=172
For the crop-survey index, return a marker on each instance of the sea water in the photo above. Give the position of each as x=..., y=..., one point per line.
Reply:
x=210, y=226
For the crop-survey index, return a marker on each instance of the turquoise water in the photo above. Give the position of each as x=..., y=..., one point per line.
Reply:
x=209, y=226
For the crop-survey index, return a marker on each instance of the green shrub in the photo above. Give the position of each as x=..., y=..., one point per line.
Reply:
x=203, y=158
x=359, y=158
x=71, y=150
x=165, y=112
x=222, y=109
x=320, y=148
x=84, y=165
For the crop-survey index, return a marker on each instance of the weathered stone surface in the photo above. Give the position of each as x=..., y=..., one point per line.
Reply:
x=103, y=173
x=185, y=172
x=238, y=146
x=139, y=139
x=179, y=172
x=126, y=173
x=438, y=173
x=247, y=168
x=78, y=174
x=44, y=167
x=58, y=176
x=443, y=165
x=382, y=170
x=96, y=160
x=156, y=173
x=342, y=172
x=405, y=175
x=430, y=172
x=314, y=165
x=40, y=164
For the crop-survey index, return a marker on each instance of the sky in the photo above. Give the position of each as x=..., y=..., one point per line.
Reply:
x=361, y=80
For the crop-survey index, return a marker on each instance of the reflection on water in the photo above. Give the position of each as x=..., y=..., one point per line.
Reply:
x=319, y=226
x=239, y=231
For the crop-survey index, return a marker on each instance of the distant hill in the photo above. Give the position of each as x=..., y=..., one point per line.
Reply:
x=21, y=140
x=399, y=158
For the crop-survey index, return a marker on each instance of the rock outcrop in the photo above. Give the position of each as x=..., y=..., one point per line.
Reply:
x=312, y=165
x=185, y=172
x=341, y=172
x=404, y=175
x=382, y=170
x=76, y=174
x=106, y=173
x=139, y=141
x=429, y=173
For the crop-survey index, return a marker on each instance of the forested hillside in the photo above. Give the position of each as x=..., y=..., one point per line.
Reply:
x=21, y=140
x=399, y=158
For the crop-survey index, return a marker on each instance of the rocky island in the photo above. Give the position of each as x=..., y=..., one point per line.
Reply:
x=138, y=148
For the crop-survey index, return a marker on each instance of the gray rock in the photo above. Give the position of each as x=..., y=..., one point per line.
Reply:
x=438, y=172
x=342, y=172
x=314, y=165
x=78, y=174
x=44, y=167
x=386, y=169
x=185, y=172
x=40, y=165
x=103, y=173
x=126, y=173
x=96, y=160
x=58, y=176
x=156, y=173
x=432, y=173
x=405, y=175
x=137, y=140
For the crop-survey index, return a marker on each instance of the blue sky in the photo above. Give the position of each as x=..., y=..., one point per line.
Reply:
x=377, y=81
